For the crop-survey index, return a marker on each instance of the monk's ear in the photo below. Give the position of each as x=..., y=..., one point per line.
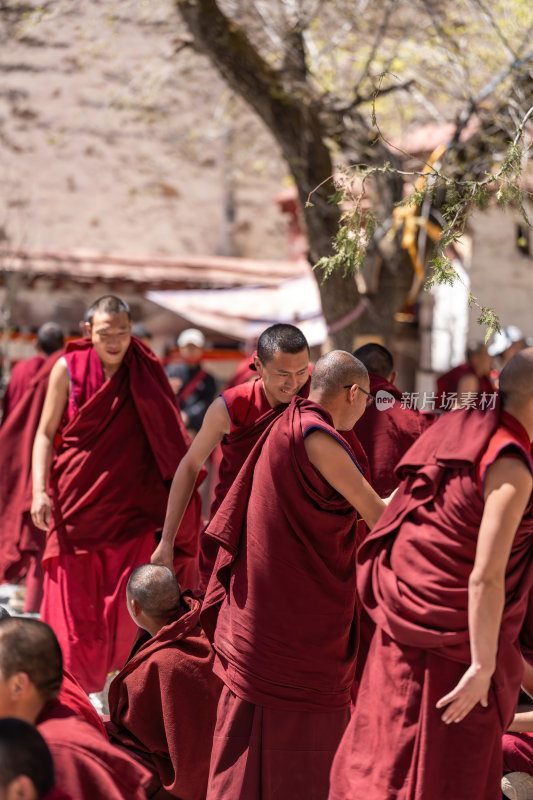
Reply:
x=88, y=330
x=392, y=376
x=135, y=607
x=258, y=364
x=21, y=788
x=19, y=684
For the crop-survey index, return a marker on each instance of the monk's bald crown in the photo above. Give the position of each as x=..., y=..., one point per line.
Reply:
x=155, y=589
x=516, y=378
x=335, y=370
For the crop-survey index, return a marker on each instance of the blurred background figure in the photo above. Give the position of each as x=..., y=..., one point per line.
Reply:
x=49, y=340
x=140, y=330
x=193, y=386
x=506, y=343
x=467, y=381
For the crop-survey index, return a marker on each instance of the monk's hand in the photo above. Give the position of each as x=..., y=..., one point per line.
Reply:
x=164, y=555
x=41, y=510
x=473, y=688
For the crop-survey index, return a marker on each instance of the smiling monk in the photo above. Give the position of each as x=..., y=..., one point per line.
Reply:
x=112, y=420
x=281, y=602
x=236, y=420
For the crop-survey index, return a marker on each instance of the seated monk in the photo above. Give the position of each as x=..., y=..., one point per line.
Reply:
x=86, y=765
x=517, y=782
x=26, y=766
x=163, y=702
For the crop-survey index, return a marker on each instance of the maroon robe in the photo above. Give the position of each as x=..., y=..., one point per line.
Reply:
x=22, y=375
x=413, y=572
x=447, y=384
x=163, y=704
x=21, y=543
x=119, y=448
x=518, y=752
x=386, y=432
x=250, y=415
x=74, y=698
x=283, y=600
x=86, y=764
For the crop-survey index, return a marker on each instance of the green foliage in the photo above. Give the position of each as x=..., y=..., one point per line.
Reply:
x=356, y=229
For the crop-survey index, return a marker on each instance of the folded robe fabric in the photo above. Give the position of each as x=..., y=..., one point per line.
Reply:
x=117, y=455
x=386, y=432
x=163, y=704
x=250, y=415
x=282, y=595
x=19, y=538
x=76, y=700
x=86, y=764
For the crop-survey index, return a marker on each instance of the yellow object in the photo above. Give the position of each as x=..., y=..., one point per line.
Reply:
x=408, y=216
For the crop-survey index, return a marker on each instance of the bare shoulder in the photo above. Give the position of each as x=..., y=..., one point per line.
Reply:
x=59, y=377
x=511, y=471
x=217, y=419
x=321, y=446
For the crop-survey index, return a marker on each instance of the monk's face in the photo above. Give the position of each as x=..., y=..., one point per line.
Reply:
x=284, y=375
x=111, y=336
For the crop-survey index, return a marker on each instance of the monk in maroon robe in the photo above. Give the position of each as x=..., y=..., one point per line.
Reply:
x=236, y=419
x=49, y=340
x=387, y=430
x=120, y=440
x=281, y=603
x=445, y=575
x=21, y=542
x=86, y=765
x=467, y=382
x=163, y=702
x=26, y=766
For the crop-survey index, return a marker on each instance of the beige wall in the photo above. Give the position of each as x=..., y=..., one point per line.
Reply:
x=501, y=276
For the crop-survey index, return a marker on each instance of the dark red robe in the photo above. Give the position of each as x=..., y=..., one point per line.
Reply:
x=74, y=698
x=413, y=572
x=22, y=375
x=447, y=384
x=86, y=764
x=163, y=704
x=21, y=543
x=250, y=415
x=281, y=608
x=386, y=432
x=119, y=449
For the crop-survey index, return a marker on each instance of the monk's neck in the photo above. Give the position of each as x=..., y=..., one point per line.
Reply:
x=110, y=370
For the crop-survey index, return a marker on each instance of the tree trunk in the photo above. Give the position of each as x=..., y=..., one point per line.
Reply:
x=294, y=121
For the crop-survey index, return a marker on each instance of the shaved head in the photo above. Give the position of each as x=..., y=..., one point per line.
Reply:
x=30, y=646
x=335, y=370
x=376, y=358
x=23, y=751
x=516, y=378
x=155, y=590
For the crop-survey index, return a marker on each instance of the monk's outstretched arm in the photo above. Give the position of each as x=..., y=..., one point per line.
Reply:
x=330, y=458
x=43, y=445
x=508, y=485
x=215, y=425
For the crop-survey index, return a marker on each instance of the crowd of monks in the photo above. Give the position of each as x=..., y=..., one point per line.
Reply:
x=352, y=621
